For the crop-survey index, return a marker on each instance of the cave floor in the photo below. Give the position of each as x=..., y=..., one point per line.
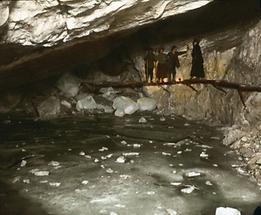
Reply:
x=109, y=165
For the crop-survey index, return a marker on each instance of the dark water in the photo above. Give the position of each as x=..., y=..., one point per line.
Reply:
x=95, y=180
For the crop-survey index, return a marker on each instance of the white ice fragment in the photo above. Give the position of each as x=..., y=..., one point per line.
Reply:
x=120, y=206
x=43, y=182
x=103, y=149
x=175, y=183
x=162, y=119
x=54, y=184
x=26, y=181
x=150, y=141
x=120, y=159
x=166, y=153
x=113, y=213
x=241, y=171
x=186, y=124
x=188, y=189
x=131, y=154
x=109, y=155
x=96, y=160
x=215, y=165
x=109, y=170
x=84, y=182
x=171, y=212
x=16, y=179
x=227, y=211
x=179, y=152
x=181, y=164
x=192, y=174
x=208, y=183
x=40, y=173
x=123, y=142
x=82, y=153
x=136, y=145
x=151, y=193
x=203, y=155
x=142, y=120
x=23, y=163
x=54, y=163
x=125, y=176
x=169, y=144
x=88, y=156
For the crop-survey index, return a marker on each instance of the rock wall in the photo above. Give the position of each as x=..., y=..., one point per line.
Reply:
x=239, y=62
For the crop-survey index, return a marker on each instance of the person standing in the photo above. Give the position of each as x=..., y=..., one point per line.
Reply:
x=162, y=65
x=174, y=64
x=197, y=70
x=149, y=64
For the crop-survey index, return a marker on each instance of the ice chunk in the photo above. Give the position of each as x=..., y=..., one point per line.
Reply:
x=38, y=172
x=175, y=183
x=55, y=184
x=125, y=105
x=192, y=174
x=208, y=183
x=147, y=104
x=123, y=142
x=166, y=153
x=188, y=189
x=171, y=212
x=86, y=103
x=103, y=149
x=203, y=155
x=82, y=153
x=162, y=119
x=119, y=113
x=23, y=163
x=136, y=145
x=131, y=154
x=227, y=211
x=120, y=159
x=26, y=181
x=109, y=170
x=113, y=213
x=54, y=163
x=85, y=182
x=142, y=120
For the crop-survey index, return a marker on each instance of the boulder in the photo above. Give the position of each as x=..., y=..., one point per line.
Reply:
x=49, y=108
x=69, y=85
x=109, y=93
x=125, y=105
x=227, y=211
x=86, y=103
x=9, y=101
x=147, y=104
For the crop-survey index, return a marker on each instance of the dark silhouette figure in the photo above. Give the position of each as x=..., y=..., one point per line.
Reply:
x=150, y=60
x=162, y=65
x=197, y=69
x=257, y=211
x=173, y=57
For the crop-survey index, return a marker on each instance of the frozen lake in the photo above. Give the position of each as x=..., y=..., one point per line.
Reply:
x=106, y=165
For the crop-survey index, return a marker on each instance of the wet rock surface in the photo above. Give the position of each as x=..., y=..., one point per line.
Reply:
x=120, y=166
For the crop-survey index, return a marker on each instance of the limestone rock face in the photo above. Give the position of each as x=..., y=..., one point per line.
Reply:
x=48, y=22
